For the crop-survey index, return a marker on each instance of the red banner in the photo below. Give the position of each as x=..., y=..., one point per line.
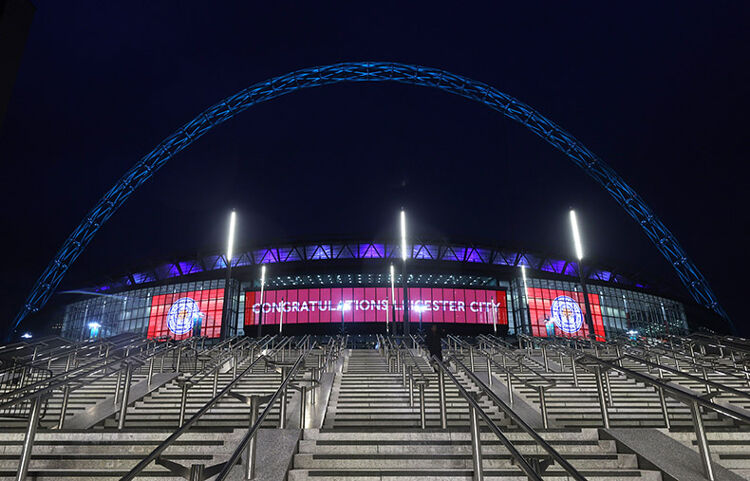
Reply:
x=563, y=312
x=178, y=315
x=375, y=304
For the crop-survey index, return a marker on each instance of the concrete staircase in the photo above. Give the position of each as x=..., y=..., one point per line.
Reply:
x=371, y=432
x=369, y=428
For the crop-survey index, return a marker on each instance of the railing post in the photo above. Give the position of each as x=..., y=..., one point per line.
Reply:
x=663, y=403
x=509, y=382
x=64, y=406
x=28, y=441
x=573, y=368
x=179, y=360
x=197, y=472
x=422, y=414
x=545, y=358
x=607, y=386
x=441, y=394
x=183, y=403
x=282, y=406
x=700, y=434
x=150, y=370
x=411, y=387
x=476, y=443
x=602, y=398
x=302, y=406
x=543, y=407
x=125, y=396
x=705, y=378
x=665, y=412
x=117, y=385
x=489, y=370
x=471, y=357
x=216, y=379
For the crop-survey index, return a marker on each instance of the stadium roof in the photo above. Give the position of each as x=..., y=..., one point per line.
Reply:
x=342, y=250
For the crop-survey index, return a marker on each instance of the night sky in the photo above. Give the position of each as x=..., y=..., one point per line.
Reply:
x=659, y=90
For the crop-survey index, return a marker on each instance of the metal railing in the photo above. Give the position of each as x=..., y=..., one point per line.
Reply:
x=510, y=375
x=43, y=390
x=214, y=368
x=693, y=402
x=198, y=471
x=533, y=467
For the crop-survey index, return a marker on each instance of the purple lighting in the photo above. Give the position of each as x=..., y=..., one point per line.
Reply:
x=365, y=250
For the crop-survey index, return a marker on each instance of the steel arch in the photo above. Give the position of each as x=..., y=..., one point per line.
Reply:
x=604, y=175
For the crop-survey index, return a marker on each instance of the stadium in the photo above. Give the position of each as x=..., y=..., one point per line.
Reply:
x=324, y=287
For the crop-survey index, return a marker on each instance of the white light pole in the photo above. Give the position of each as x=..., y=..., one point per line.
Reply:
x=343, y=306
x=526, y=297
x=493, y=313
x=226, y=323
x=581, y=276
x=420, y=307
x=393, y=297
x=281, y=314
x=403, y=273
x=262, y=291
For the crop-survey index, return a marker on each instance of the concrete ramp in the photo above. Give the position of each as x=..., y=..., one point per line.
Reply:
x=107, y=407
x=676, y=461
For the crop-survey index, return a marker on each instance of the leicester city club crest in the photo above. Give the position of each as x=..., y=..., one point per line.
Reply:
x=566, y=314
x=182, y=315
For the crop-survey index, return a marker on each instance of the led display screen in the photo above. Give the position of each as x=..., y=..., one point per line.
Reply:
x=375, y=304
x=561, y=313
x=177, y=315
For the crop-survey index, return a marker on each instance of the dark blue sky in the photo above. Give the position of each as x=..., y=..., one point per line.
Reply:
x=659, y=90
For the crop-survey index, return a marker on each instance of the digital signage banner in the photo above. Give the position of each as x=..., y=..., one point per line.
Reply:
x=561, y=313
x=375, y=304
x=178, y=315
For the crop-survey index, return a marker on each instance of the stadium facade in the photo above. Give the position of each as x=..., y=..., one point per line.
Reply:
x=326, y=286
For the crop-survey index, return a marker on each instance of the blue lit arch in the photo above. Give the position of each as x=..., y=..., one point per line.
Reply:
x=604, y=175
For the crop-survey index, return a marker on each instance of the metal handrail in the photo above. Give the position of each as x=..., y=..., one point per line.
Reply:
x=72, y=380
x=730, y=343
x=663, y=352
x=216, y=362
x=182, y=429
x=229, y=464
x=549, y=382
x=714, y=384
x=90, y=367
x=520, y=422
x=675, y=392
x=693, y=401
x=476, y=442
x=416, y=364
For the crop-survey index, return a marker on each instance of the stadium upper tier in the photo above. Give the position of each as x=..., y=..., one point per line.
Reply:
x=346, y=250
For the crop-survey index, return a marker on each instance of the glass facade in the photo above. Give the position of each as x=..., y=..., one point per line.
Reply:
x=173, y=310
x=553, y=306
x=541, y=308
x=376, y=304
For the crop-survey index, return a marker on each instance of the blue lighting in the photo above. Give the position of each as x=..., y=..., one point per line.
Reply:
x=306, y=78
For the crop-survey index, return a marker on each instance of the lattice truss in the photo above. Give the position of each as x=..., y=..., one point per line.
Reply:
x=433, y=251
x=603, y=174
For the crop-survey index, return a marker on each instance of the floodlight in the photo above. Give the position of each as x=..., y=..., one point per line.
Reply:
x=230, y=241
x=576, y=234
x=403, y=235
